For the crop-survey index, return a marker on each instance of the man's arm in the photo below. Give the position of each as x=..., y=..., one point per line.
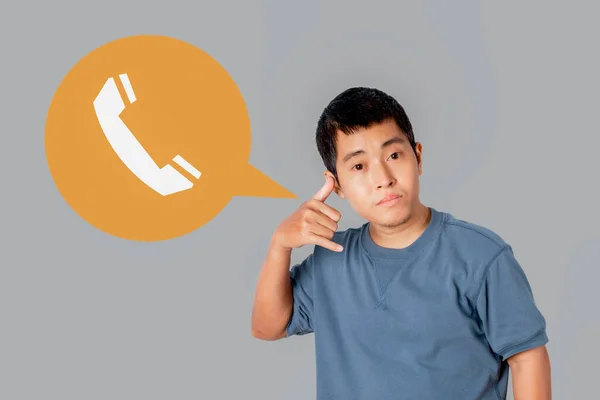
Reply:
x=531, y=374
x=313, y=223
x=273, y=300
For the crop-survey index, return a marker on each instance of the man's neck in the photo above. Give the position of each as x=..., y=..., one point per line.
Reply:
x=403, y=235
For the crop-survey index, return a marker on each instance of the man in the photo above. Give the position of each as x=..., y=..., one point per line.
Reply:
x=415, y=303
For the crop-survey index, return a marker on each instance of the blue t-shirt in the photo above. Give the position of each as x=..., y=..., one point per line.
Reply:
x=435, y=320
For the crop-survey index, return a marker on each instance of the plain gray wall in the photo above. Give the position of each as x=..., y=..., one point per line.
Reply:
x=503, y=96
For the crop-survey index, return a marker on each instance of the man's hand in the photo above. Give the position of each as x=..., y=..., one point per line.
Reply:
x=531, y=374
x=313, y=223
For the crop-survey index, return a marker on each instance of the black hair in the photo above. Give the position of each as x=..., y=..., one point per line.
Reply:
x=354, y=108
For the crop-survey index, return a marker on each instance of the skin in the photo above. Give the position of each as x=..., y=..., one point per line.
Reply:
x=314, y=222
x=371, y=164
x=531, y=374
x=375, y=162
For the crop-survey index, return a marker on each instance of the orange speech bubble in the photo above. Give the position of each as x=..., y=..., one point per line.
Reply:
x=148, y=138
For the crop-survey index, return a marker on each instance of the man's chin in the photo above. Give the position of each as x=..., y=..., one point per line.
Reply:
x=392, y=221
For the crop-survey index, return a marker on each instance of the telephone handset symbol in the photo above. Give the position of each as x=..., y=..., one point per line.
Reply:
x=109, y=105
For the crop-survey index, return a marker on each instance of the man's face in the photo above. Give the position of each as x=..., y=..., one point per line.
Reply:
x=378, y=164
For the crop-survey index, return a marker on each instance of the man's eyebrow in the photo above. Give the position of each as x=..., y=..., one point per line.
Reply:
x=395, y=139
x=389, y=142
x=352, y=154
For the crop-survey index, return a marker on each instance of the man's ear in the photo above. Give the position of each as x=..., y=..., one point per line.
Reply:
x=337, y=189
x=419, y=154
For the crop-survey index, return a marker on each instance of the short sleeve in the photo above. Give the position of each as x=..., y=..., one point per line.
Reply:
x=301, y=278
x=506, y=307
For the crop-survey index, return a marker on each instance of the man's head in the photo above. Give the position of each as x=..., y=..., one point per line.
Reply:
x=367, y=144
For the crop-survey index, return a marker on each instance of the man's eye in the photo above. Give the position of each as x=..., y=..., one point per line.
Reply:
x=358, y=166
x=395, y=155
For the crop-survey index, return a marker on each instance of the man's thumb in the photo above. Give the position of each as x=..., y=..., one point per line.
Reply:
x=325, y=190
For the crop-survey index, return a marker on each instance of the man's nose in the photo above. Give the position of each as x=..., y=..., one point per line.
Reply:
x=382, y=176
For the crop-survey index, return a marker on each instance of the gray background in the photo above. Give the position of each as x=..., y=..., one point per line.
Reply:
x=503, y=96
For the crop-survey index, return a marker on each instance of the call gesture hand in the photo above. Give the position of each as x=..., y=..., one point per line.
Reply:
x=313, y=223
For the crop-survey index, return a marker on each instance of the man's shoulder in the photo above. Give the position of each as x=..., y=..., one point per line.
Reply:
x=471, y=236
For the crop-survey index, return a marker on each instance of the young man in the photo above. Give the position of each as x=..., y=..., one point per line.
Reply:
x=415, y=303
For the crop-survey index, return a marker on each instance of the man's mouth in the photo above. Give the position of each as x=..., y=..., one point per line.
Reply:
x=389, y=200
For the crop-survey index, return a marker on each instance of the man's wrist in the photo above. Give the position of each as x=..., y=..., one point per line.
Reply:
x=278, y=248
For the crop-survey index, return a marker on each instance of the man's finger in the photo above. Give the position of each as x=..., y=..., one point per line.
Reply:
x=331, y=212
x=326, y=190
x=326, y=221
x=322, y=230
x=326, y=243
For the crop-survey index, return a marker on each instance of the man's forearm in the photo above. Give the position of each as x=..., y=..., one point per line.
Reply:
x=531, y=375
x=273, y=298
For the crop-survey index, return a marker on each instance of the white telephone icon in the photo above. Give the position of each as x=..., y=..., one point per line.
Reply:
x=109, y=105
